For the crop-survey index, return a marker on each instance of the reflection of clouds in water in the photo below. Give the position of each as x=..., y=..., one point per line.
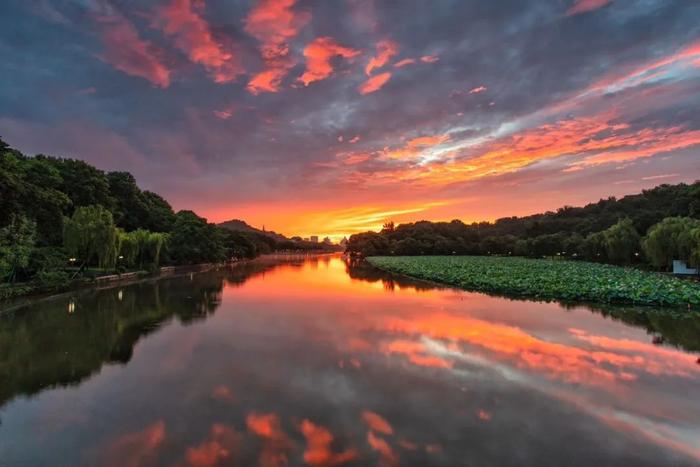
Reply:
x=137, y=448
x=304, y=362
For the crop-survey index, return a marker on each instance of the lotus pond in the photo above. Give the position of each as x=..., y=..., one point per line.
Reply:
x=547, y=279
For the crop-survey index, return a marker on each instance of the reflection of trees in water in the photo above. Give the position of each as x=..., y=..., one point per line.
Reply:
x=61, y=341
x=678, y=328
x=361, y=270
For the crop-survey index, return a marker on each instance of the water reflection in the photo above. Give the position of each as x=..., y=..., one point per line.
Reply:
x=315, y=361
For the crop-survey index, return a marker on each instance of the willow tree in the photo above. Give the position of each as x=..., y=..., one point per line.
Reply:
x=140, y=247
x=670, y=239
x=90, y=235
x=621, y=241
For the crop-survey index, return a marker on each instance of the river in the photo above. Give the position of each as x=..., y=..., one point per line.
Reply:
x=306, y=360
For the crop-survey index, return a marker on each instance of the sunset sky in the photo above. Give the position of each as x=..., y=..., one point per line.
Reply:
x=330, y=117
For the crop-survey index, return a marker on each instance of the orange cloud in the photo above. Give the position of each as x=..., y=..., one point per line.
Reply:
x=318, y=447
x=376, y=422
x=594, y=140
x=429, y=58
x=274, y=23
x=276, y=444
x=135, y=449
x=193, y=36
x=428, y=141
x=374, y=83
x=385, y=50
x=404, y=62
x=583, y=6
x=414, y=147
x=128, y=53
x=477, y=90
x=318, y=58
x=220, y=447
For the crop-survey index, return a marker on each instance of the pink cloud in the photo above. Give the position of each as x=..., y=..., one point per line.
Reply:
x=274, y=23
x=404, y=62
x=385, y=50
x=429, y=58
x=374, y=83
x=477, y=90
x=225, y=114
x=318, y=58
x=129, y=53
x=183, y=21
x=584, y=6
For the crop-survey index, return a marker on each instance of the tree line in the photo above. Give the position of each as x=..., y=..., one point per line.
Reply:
x=648, y=229
x=60, y=217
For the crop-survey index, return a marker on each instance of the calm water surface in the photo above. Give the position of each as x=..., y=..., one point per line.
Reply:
x=309, y=361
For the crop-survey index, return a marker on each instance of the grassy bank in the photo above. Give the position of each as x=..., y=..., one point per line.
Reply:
x=547, y=279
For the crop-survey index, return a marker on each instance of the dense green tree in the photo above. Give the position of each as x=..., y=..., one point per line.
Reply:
x=193, y=240
x=30, y=187
x=621, y=242
x=129, y=206
x=17, y=240
x=159, y=215
x=84, y=184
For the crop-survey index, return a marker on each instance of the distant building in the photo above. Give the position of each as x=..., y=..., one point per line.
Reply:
x=327, y=241
x=344, y=242
x=313, y=239
x=681, y=268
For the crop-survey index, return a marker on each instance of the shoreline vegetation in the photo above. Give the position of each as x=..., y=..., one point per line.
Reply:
x=64, y=222
x=548, y=279
x=612, y=251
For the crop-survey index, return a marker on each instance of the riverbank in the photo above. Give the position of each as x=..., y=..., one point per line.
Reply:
x=9, y=293
x=547, y=279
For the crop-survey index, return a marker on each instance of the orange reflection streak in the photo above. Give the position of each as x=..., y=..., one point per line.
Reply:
x=565, y=362
x=387, y=455
x=376, y=422
x=416, y=353
x=135, y=449
x=276, y=444
x=221, y=446
x=318, y=450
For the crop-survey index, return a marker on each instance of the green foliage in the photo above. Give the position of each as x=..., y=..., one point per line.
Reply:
x=140, y=248
x=193, y=240
x=16, y=244
x=547, y=279
x=621, y=242
x=670, y=239
x=570, y=232
x=90, y=236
